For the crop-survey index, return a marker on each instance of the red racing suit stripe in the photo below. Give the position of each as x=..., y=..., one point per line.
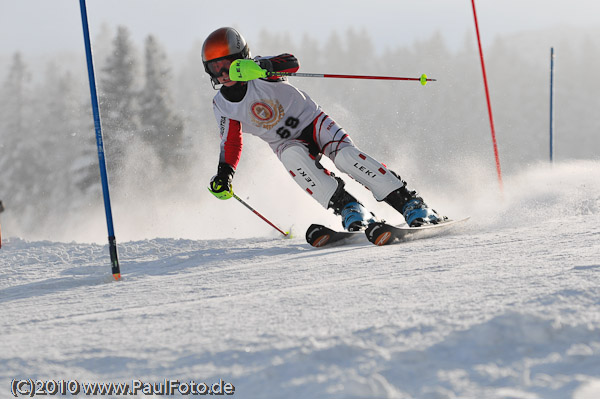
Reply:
x=232, y=143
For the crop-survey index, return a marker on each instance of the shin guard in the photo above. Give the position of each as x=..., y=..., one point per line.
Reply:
x=367, y=171
x=314, y=180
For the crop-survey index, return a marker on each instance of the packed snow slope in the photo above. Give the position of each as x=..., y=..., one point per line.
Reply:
x=506, y=307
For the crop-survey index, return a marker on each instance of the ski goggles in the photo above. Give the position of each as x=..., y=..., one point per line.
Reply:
x=215, y=68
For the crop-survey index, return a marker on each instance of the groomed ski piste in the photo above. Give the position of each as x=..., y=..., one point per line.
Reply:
x=506, y=307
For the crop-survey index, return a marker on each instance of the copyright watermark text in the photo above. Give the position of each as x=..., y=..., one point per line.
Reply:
x=31, y=388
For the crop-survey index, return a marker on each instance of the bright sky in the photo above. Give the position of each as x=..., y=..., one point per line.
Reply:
x=52, y=27
x=48, y=26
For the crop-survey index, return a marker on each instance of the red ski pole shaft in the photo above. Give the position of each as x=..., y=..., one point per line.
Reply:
x=259, y=215
x=423, y=79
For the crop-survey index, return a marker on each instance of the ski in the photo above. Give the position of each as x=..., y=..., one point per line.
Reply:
x=380, y=233
x=318, y=235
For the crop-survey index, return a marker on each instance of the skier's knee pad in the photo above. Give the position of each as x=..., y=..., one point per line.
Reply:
x=367, y=171
x=314, y=180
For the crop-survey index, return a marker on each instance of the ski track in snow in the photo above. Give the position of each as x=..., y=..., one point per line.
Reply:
x=506, y=308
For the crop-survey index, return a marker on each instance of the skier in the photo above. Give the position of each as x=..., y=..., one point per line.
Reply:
x=299, y=132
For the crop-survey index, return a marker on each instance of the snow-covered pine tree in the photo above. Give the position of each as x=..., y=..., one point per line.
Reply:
x=20, y=160
x=69, y=141
x=118, y=102
x=161, y=126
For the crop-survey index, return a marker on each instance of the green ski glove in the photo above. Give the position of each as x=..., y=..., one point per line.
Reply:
x=220, y=184
x=245, y=70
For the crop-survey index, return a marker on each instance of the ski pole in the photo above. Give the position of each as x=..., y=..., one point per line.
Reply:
x=244, y=70
x=423, y=78
x=261, y=216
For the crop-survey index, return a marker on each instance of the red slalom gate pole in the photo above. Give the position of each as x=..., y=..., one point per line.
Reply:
x=1, y=210
x=487, y=96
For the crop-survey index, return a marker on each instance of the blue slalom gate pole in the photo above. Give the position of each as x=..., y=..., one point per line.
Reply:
x=551, y=104
x=112, y=243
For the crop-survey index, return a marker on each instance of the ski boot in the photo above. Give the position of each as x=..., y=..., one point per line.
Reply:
x=417, y=213
x=412, y=207
x=354, y=215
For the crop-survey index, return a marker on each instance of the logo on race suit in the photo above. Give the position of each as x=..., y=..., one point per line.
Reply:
x=365, y=170
x=266, y=113
x=222, y=126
